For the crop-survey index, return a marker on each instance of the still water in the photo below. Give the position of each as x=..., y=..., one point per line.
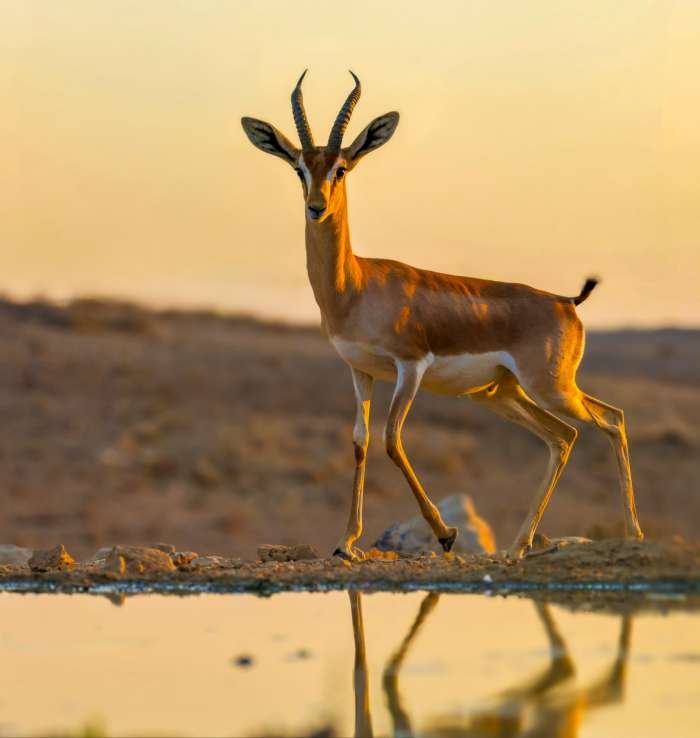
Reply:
x=342, y=664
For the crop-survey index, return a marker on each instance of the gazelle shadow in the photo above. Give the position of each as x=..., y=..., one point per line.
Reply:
x=536, y=707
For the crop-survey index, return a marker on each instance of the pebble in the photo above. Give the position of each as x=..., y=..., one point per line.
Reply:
x=183, y=558
x=137, y=560
x=51, y=559
x=301, y=552
x=208, y=562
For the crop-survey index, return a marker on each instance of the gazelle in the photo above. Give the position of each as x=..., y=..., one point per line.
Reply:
x=511, y=347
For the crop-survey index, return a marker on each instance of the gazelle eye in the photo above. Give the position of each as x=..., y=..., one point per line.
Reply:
x=340, y=172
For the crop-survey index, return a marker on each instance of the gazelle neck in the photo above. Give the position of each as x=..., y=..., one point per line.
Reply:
x=333, y=270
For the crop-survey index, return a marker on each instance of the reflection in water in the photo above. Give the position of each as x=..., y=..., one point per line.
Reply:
x=532, y=708
x=426, y=665
x=363, y=718
x=399, y=716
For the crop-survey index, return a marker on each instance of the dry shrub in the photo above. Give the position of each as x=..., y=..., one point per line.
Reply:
x=97, y=316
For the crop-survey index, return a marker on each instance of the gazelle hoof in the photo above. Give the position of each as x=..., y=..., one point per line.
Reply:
x=449, y=540
x=348, y=554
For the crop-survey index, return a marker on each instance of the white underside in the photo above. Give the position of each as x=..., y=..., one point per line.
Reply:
x=457, y=374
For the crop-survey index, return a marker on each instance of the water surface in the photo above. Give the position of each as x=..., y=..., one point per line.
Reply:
x=343, y=663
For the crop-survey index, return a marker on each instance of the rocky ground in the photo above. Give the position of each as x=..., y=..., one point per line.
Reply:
x=218, y=433
x=671, y=570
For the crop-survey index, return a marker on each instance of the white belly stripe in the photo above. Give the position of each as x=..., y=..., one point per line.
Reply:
x=456, y=374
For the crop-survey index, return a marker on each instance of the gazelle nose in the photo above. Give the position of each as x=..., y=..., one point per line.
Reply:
x=316, y=212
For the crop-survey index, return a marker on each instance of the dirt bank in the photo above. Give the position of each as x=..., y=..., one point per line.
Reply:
x=614, y=565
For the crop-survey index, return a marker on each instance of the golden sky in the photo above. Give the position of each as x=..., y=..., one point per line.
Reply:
x=539, y=142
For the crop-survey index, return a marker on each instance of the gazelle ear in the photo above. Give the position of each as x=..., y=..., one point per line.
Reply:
x=268, y=139
x=377, y=133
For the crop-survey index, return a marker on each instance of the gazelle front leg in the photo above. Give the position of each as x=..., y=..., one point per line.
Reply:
x=409, y=375
x=360, y=436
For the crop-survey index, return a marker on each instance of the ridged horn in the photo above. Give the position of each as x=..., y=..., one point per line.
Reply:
x=341, y=122
x=300, y=119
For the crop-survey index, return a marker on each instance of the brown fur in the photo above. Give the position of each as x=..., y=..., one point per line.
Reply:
x=409, y=312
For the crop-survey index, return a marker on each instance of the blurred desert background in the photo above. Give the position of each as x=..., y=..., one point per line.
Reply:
x=215, y=433
x=190, y=398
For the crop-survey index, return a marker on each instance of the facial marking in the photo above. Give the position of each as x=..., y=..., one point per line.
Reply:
x=305, y=171
x=331, y=172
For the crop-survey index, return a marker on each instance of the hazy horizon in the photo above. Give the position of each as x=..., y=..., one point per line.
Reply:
x=537, y=144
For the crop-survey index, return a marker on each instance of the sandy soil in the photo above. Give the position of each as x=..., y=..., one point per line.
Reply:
x=219, y=433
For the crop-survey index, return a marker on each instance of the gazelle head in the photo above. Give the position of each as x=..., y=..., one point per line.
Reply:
x=322, y=169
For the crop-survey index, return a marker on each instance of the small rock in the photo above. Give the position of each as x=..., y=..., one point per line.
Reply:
x=138, y=560
x=301, y=552
x=304, y=552
x=167, y=547
x=207, y=562
x=11, y=555
x=183, y=558
x=414, y=535
x=269, y=552
x=51, y=559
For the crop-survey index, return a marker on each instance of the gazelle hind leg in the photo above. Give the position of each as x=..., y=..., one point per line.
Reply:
x=510, y=401
x=363, y=393
x=611, y=421
x=409, y=375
